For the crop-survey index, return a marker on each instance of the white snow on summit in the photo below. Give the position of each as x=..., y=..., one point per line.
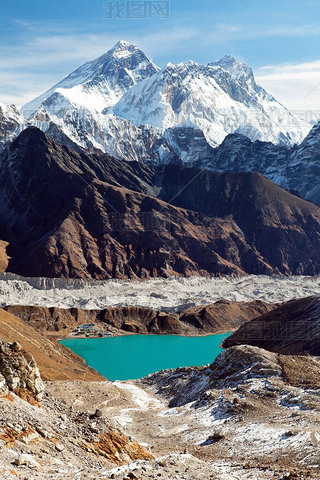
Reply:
x=125, y=89
x=219, y=99
x=100, y=83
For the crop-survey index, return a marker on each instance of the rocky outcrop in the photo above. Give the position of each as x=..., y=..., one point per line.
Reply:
x=291, y=329
x=222, y=316
x=19, y=372
x=233, y=369
x=56, y=440
x=88, y=215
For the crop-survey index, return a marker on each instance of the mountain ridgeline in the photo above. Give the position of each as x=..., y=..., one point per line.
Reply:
x=83, y=214
x=212, y=116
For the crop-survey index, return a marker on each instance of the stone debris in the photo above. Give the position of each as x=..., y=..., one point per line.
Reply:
x=242, y=417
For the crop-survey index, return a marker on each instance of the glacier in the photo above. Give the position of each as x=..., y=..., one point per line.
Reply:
x=171, y=294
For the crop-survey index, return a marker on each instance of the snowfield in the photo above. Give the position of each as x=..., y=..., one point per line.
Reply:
x=160, y=294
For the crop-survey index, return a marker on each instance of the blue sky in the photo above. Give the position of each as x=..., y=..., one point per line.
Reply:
x=41, y=42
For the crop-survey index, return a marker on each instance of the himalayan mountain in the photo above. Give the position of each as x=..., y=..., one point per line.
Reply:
x=85, y=214
x=124, y=170
x=211, y=116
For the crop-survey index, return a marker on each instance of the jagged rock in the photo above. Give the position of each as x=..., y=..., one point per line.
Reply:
x=28, y=461
x=20, y=372
x=3, y=385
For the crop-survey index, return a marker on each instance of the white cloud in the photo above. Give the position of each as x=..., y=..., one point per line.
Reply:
x=297, y=86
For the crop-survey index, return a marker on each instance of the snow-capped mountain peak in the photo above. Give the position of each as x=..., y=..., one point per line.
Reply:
x=123, y=104
x=218, y=99
x=123, y=46
x=243, y=74
x=10, y=120
x=100, y=83
x=233, y=66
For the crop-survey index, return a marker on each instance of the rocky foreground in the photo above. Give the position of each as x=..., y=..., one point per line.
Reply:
x=253, y=414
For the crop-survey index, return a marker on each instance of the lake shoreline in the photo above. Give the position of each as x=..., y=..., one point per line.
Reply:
x=124, y=357
x=126, y=334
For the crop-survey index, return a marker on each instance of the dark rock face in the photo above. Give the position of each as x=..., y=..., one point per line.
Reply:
x=219, y=317
x=76, y=214
x=237, y=153
x=291, y=329
x=273, y=221
x=223, y=314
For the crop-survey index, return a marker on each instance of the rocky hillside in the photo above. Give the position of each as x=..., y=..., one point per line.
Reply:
x=220, y=317
x=192, y=423
x=38, y=439
x=55, y=361
x=88, y=215
x=294, y=168
x=202, y=422
x=183, y=423
x=291, y=329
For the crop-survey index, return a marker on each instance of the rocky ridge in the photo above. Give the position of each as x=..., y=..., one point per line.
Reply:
x=292, y=168
x=220, y=317
x=88, y=215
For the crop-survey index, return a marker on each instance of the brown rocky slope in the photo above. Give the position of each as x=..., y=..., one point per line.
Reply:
x=292, y=329
x=54, y=360
x=88, y=215
x=4, y=260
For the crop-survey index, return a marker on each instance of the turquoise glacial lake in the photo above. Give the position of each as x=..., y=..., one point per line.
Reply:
x=135, y=356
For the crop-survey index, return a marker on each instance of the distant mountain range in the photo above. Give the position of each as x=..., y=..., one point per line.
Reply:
x=211, y=116
x=89, y=215
x=124, y=89
x=123, y=170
